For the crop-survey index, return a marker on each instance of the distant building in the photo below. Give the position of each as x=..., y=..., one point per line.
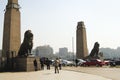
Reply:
x=109, y=53
x=44, y=51
x=71, y=56
x=63, y=52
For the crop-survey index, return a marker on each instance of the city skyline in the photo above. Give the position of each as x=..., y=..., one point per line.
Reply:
x=54, y=22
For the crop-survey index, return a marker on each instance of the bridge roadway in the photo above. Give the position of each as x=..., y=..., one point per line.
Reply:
x=50, y=75
x=105, y=71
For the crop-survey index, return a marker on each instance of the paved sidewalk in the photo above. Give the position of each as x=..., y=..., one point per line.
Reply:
x=49, y=75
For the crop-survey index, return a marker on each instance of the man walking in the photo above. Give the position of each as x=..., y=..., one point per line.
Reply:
x=48, y=64
x=57, y=65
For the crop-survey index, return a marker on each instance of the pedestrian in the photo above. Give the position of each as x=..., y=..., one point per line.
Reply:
x=60, y=63
x=56, y=65
x=42, y=63
x=35, y=64
x=48, y=63
x=76, y=62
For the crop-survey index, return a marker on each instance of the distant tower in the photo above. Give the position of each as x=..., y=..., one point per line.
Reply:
x=11, y=33
x=81, y=41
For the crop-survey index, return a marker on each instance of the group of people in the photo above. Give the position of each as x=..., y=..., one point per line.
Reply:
x=42, y=62
x=45, y=61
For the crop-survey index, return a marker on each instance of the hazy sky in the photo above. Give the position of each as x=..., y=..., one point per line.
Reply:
x=53, y=22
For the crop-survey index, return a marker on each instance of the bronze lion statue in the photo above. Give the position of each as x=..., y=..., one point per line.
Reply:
x=26, y=46
x=95, y=50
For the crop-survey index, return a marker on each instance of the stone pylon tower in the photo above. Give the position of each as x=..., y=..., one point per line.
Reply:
x=11, y=33
x=81, y=41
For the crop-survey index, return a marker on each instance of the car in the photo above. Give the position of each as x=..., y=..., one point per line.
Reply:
x=112, y=63
x=66, y=63
x=63, y=62
x=107, y=62
x=93, y=62
x=80, y=61
x=117, y=62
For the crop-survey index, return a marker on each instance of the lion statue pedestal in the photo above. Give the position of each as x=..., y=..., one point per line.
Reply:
x=27, y=63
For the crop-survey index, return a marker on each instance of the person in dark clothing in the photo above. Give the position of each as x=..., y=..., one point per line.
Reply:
x=76, y=62
x=35, y=64
x=48, y=64
x=42, y=63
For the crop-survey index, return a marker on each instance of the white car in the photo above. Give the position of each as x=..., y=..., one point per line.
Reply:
x=67, y=63
x=80, y=62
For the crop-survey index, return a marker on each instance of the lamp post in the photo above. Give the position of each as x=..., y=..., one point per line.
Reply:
x=73, y=47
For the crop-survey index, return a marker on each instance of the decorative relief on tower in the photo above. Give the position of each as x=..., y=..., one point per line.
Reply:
x=13, y=5
x=80, y=24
